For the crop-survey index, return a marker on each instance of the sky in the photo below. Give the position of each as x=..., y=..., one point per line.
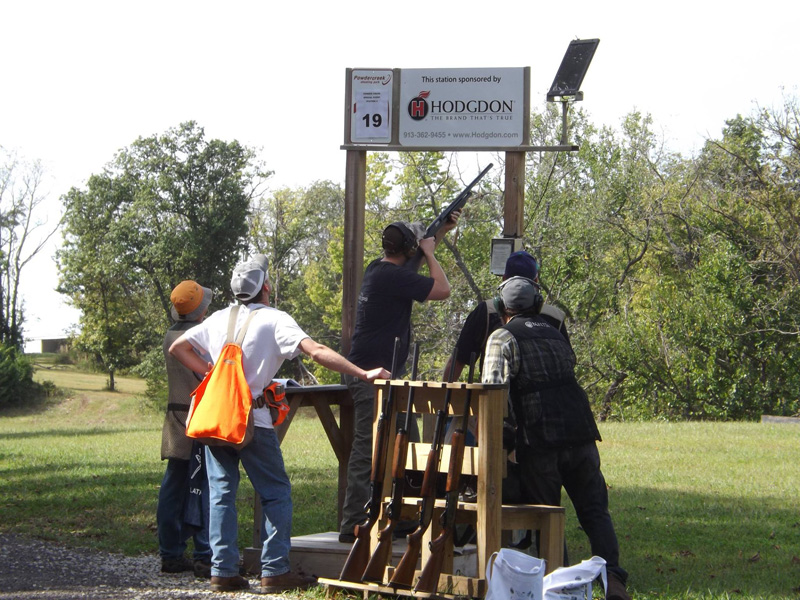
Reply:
x=83, y=79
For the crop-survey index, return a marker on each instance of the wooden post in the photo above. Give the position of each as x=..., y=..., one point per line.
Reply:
x=353, y=267
x=514, y=200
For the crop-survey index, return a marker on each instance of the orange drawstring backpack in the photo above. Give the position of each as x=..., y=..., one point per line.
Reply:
x=221, y=411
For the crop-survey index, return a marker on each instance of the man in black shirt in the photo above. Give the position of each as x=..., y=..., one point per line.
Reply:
x=383, y=313
x=484, y=318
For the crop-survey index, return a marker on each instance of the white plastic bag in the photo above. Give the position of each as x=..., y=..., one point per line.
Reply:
x=514, y=575
x=575, y=582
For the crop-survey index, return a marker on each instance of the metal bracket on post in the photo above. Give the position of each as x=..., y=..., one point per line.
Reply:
x=565, y=102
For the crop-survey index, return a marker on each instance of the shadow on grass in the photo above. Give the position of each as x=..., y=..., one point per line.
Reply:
x=35, y=404
x=101, y=505
x=76, y=432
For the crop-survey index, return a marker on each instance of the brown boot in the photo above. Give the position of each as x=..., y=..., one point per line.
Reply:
x=285, y=582
x=616, y=589
x=229, y=584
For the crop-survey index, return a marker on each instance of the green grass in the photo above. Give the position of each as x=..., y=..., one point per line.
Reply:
x=702, y=510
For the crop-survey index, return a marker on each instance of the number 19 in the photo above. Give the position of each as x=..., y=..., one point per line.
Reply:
x=374, y=120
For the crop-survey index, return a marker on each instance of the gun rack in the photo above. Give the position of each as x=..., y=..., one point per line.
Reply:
x=487, y=461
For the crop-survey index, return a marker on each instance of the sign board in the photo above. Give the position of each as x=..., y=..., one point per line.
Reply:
x=478, y=107
x=371, y=106
x=501, y=250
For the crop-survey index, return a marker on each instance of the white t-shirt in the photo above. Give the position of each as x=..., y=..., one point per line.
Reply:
x=272, y=337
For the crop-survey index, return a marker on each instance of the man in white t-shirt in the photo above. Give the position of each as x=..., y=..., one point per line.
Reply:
x=272, y=337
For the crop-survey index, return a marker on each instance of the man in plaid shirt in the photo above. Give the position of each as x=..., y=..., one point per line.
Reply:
x=556, y=432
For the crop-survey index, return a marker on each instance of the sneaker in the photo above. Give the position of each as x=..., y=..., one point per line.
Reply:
x=616, y=588
x=285, y=582
x=347, y=538
x=229, y=584
x=176, y=565
x=202, y=568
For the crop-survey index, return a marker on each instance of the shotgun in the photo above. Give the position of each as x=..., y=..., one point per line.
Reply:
x=415, y=261
x=377, y=564
x=429, y=578
x=359, y=554
x=403, y=575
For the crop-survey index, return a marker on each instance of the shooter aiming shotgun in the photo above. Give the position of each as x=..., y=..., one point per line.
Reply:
x=429, y=578
x=377, y=564
x=359, y=553
x=403, y=575
x=415, y=261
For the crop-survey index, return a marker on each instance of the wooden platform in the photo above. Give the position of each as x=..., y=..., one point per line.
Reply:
x=322, y=555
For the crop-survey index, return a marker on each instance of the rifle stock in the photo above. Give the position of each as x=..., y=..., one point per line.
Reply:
x=359, y=554
x=415, y=261
x=429, y=578
x=380, y=557
x=403, y=575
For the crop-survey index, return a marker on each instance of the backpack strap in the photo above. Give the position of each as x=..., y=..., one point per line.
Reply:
x=491, y=309
x=243, y=331
x=555, y=313
x=232, y=326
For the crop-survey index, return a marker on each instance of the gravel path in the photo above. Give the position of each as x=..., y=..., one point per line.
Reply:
x=31, y=570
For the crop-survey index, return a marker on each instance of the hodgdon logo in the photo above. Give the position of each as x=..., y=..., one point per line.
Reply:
x=418, y=107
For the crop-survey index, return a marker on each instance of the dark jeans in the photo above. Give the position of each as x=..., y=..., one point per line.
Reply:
x=360, y=464
x=577, y=469
x=172, y=531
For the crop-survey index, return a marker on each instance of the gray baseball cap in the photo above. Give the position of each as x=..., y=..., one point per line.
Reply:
x=249, y=277
x=518, y=293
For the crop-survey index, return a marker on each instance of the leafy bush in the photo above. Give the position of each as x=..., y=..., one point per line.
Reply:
x=154, y=372
x=63, y=358
x=16, y=377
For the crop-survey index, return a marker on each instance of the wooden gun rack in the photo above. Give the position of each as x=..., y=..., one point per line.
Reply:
x=487, y=462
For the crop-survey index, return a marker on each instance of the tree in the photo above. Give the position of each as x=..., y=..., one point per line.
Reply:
x=24, y=231
x=168, y=208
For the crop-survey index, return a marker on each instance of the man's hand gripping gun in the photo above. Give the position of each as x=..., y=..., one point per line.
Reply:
x=457, y=204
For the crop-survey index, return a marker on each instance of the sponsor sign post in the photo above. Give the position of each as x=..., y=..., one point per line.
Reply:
x=438, y=109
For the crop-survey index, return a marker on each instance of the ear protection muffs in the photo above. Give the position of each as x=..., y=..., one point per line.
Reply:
x=499, y=306
x=536, y=306
x=409, y=242
x=538, y=302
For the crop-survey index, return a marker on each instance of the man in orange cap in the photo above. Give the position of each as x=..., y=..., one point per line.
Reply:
x=189, y=305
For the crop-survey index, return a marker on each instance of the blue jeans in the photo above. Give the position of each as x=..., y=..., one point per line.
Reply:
x=577, y=469
x=172, y=532
x=263, y=462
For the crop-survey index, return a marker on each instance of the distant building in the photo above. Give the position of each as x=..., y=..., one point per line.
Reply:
x=51, y=345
